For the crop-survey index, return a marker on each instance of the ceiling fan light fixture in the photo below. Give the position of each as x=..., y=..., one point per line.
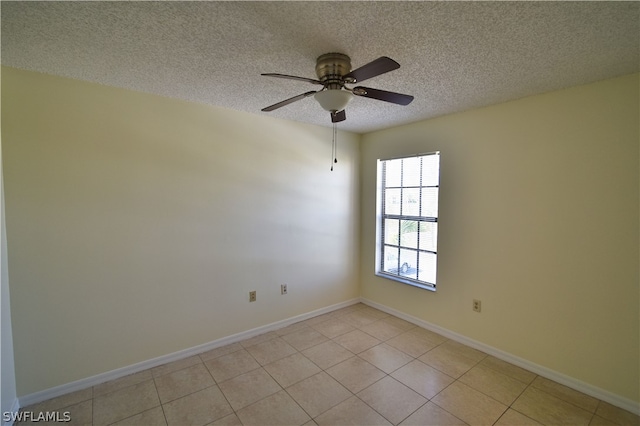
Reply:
x=333, y=100
x=334, y=71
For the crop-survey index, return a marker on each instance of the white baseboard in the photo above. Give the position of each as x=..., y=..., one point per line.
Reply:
x=56, y=391
x=545, y=372
x=15, y=407
x=578, y=385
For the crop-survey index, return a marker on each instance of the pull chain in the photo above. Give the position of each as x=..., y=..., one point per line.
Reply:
x=334, y=146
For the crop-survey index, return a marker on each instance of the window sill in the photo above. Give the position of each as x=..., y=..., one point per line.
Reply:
x=407, y=281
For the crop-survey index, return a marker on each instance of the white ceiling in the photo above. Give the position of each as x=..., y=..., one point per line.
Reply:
x=454, y=56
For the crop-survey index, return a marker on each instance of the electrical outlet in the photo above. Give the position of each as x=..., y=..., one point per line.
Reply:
x=252, y=296
x=477, y=305
x=283, y=289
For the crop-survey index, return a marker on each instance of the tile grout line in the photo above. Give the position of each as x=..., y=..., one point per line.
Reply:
x=358, y=326
x=216, y=384
x=274, y=379
x=531, y=386
x=352, y=394
x=300, y=353
x=389, y=374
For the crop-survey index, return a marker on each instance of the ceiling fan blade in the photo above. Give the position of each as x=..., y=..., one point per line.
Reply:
x=383, y=95
x=288, y=101
x=293, y=77
x=380, y=66
x=339, y=116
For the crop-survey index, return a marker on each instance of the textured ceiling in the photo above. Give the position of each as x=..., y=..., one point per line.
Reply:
x=454, y=56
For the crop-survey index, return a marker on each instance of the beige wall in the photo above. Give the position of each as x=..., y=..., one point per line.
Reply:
x=538, y=220
x=138, y=224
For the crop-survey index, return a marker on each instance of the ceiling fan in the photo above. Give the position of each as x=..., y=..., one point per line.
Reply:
x=334, y=73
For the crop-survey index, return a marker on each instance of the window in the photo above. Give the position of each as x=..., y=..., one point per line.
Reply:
x=407, y=240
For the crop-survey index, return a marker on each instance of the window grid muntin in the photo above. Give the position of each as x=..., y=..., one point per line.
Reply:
x=400, y=217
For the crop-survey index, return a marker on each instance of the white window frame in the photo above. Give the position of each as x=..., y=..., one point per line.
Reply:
x=401, y=273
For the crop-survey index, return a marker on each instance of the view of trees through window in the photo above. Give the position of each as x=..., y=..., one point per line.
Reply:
x=409, y=222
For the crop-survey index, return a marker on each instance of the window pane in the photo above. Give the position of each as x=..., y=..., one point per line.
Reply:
x=392, y=201
x=391, y=231
x=408, y=263
x=411, y=171
x=429, y=202
x=429, y=236
x=409, y=233
x=411, y=202
x=393, y=172
x=390, y=260
x=427, y=270
x=431, y=170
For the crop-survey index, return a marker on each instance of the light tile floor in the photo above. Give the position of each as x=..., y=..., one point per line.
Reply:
x=355, y=366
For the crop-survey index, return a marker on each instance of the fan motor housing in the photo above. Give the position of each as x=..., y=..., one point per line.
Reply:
x=330, y=68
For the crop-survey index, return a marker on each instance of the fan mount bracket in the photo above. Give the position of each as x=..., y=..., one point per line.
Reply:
x=330, y=69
